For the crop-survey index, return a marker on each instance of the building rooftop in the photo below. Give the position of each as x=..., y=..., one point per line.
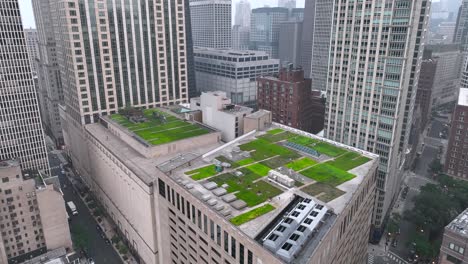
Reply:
x=259, y=182
x=262, y=179
x=459, y=225
x=231, y=52
x=463, y=97
x=158, y=127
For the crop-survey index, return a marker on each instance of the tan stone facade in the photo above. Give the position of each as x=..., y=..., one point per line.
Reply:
x=33, y=216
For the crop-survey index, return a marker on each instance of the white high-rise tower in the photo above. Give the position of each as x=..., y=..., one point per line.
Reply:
x=373, y=75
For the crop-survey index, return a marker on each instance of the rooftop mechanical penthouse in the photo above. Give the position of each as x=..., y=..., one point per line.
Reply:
x=180, y=195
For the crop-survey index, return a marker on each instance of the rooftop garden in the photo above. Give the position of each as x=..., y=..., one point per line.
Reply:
x=252, y=214
x=157, y=127
x=247, y=178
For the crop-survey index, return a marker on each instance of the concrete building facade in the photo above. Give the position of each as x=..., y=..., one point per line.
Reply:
x=450, y=60
x=48, y=73
x=461, y=29
x=218, y=112
x=315, y=47
x=168, y=217
x=211, y=23
x=288, y=97
x=240, y=37
x=32, y=46
x=287, y=3
x=242, y=17
x=457, y=149
x=264, y=29
x=425, y=86
x=233, y=72
x=34, y=218
x=290, y=37
x=21, y=134
x=372, y=86
x=455, y=241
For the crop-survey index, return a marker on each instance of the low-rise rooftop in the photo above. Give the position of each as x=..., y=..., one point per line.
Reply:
x=459, y=225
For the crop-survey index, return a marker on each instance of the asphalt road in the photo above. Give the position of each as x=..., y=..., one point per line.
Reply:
x=437, y=127
x=428, y=154
x=101, y=252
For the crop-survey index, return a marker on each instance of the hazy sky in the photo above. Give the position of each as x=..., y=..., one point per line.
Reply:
x=28, y=15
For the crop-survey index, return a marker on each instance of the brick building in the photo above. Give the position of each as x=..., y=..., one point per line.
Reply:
x=291, y=100
x=456, y=162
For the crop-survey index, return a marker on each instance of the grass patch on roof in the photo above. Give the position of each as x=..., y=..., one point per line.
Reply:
x=202, y=173
x=277, y=137
x=246, y=161
x=276, y=162
x=262, y=149
x=275, y=131
x=323, y=192
x=252, y=214
x=328, y=149
x=348, y=161
x=327, y=174
x=157, y=131
x=224, y=159
x=252, y=193
x=301, y=140
x=300, y=164
x=259, y=169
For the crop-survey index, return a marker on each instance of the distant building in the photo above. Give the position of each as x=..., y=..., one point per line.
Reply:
x=260, y=121
x=240, y=37
x=242, y=17
x=32, y=46
x=315, y=47
x=264, y=29
x=424, y=91
x=218, y=112
x=287, y=3
x=33, y=219
x=233, y=72
x=447, y=76
x=455, y=241
x=456, y=151
x=50, y=92
x=290, y=37
x=296, y=14
x=289, y=98
x=461, y=28
x=211, y=23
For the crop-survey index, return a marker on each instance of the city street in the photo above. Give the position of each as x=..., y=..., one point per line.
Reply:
x=97, y=249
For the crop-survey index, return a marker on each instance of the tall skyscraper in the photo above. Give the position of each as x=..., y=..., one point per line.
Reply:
x=461, y=28
x=372, y=85
x=289, y=47
x=318, y=19
x=49, y=82
x=242, y=13
x=21, y=135
x=32, y=46
x=211, y=23
x=113, y=55
x=287, y=3
x=264, y=29
x=240, y=37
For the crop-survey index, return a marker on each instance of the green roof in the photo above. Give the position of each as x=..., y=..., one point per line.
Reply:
x=320, y=176
x=157, y=131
